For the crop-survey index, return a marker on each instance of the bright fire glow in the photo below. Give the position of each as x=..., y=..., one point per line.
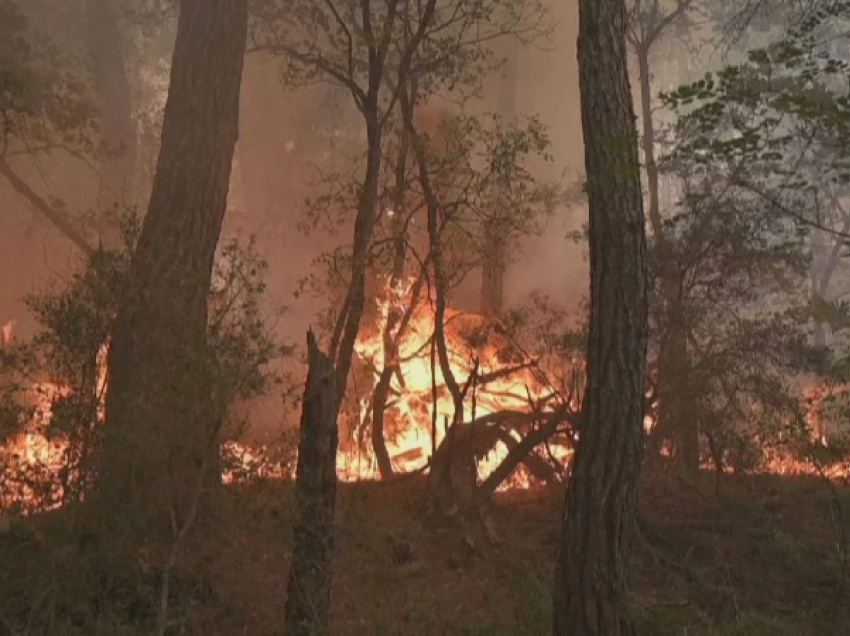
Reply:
x=501, y=386
x=504, y=387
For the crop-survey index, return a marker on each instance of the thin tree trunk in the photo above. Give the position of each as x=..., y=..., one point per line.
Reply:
x=495, y=257
x=493, y=273
x=311, y=574
x=390, y=336
x=348, y=323
x=822, y=277
x=452, y=480
x=590, y=597
x=160, y=402
x=675, y=419
x=648, y=141
x=117, y=128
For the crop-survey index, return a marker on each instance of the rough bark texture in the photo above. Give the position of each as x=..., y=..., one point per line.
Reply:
x=161, y=434
x=590, y=595
x=117, y=129
x=310, y=576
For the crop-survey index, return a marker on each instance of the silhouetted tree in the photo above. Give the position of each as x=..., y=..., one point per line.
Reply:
x=590, y=595
x=310, y=576
x=160, y=439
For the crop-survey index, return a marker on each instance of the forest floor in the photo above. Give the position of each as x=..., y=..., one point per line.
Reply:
x=758, y=557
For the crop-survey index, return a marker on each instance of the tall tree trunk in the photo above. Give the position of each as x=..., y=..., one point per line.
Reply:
x=117, y=128
x=160, y=441
x=495, y=257
x=310, y=576
x=590, y=596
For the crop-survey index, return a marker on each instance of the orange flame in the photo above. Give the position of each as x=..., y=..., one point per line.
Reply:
x=504, y=386
x=498, y=385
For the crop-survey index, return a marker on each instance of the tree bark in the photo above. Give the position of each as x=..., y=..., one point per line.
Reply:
x=160, y=442
x=310, y=575
x=117, y=128
x=590, y=596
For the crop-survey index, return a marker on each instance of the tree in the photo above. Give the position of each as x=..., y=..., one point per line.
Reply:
x=761, y=153
x=310, y=576
x=493, y=272
x=649, y=22
x=162, y=421
x=107, y=57
x=413, y=57
x=45, y=108
x=590, y=596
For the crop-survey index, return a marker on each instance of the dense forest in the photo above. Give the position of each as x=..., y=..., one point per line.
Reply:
x=438, y=317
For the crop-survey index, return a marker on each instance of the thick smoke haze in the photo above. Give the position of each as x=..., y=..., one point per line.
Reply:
x=273, y=175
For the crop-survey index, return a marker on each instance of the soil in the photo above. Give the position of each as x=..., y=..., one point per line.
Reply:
x=746, y=556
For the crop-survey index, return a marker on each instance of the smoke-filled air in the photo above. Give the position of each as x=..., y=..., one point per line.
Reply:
x=424, y=317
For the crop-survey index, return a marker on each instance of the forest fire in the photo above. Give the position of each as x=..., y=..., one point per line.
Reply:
x=498, y=384
x=495, y=379
x=418, y=405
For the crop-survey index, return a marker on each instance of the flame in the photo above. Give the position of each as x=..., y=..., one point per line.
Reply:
x=35, y=457
x=505, y=386
x=493, y=384
x=509, y=386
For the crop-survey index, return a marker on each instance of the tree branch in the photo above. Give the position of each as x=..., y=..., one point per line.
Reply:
x=58, y=220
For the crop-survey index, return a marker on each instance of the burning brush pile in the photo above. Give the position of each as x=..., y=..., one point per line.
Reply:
x=401, y=406
x=399, y=410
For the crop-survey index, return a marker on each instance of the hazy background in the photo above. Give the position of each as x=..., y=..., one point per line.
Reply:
x=272, y=177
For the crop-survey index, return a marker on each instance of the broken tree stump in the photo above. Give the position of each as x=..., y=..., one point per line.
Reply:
x=310, y=574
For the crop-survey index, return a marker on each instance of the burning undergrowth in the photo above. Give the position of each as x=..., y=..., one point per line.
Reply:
x=520, y=379
x=53, y=387
x=401, y=408
x=510, y=396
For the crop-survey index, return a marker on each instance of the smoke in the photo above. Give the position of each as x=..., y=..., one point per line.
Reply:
x=274, y=175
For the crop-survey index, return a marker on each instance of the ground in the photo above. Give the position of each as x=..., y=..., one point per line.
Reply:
x=759, y=557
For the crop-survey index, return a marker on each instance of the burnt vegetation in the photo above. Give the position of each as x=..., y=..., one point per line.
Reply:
x=189, y=186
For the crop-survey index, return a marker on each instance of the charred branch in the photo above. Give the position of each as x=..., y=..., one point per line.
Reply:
x=59, y=221
x=520, y=453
